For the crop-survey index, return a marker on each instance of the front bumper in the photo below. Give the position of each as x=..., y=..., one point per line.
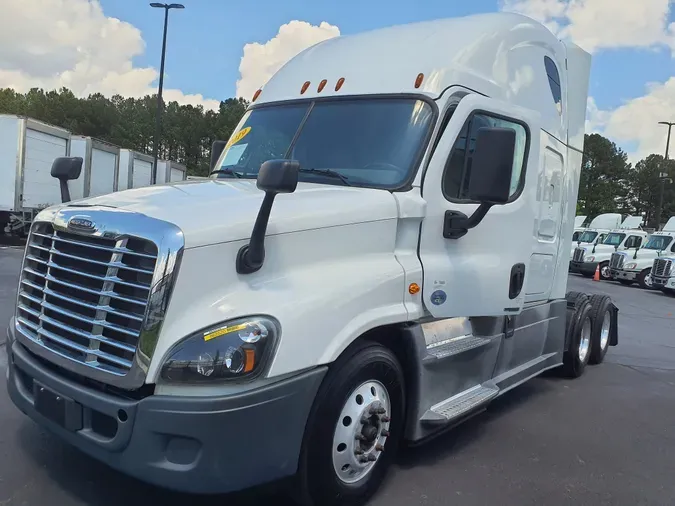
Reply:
x=663, y=283
x=623, y=274
x=583, y=267
x=200, y=445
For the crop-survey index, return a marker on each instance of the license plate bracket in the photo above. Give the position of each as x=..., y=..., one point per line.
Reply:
x=59, y=409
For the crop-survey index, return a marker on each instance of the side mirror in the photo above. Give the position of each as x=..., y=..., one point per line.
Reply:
x=278, y=176
x=492, y=165
x=274, y=177
x=490, y=178
x=216, y=150
x=66, y=169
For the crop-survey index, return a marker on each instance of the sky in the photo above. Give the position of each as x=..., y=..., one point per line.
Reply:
x=218, y=49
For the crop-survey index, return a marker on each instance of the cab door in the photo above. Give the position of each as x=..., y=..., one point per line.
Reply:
x=482, y=270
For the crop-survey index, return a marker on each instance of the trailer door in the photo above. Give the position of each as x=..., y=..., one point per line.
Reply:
x=40, y=189
x=483, y=273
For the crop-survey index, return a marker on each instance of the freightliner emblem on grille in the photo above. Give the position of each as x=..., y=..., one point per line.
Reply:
x=81, y=223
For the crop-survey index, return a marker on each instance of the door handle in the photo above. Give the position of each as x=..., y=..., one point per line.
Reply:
x=517, y=280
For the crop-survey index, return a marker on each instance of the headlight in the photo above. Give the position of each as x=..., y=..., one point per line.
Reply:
x=632, y=265
x=236, y=350
x=591, y=259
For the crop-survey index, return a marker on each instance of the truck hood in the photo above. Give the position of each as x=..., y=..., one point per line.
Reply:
x=213, y=211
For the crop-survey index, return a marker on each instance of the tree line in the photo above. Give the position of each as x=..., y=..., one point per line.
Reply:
x=187, y=131
x=609, y=183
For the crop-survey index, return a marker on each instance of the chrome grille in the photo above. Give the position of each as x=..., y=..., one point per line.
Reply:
x=579, y=254
x=662, y=267
x=85, y=297
x=616, y=261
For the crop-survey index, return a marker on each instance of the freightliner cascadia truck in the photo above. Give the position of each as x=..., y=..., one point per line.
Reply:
x=381, y=251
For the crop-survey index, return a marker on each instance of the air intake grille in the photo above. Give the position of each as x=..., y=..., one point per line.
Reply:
x=662, y=268
x=85, y=297
x=579, y=254
x=616, y=261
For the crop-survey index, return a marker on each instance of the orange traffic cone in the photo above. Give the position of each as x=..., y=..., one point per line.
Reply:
x=596, y=276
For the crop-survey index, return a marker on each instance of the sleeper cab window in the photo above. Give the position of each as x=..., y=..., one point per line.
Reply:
x=458, y=167
x=554, y=82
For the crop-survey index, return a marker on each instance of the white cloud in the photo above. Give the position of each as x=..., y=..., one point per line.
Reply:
x=603, y=24
x=261, y=61
x=72, y=43
x=637, y=120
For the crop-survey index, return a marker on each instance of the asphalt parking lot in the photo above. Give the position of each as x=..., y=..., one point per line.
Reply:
x=605, y=439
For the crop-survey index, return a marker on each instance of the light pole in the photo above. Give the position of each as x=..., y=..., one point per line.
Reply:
x=663, y=175
x=158, y=120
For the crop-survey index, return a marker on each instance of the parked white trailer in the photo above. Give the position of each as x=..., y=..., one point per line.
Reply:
x=99, y=170
x=170, y=172
x=303, y=317
x=135, y=170
x=27, y=149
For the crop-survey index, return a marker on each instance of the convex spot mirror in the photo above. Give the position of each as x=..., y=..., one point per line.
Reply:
x=492, y=165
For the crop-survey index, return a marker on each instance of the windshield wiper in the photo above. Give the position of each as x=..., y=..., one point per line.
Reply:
x=229, y=172
x=329, y=173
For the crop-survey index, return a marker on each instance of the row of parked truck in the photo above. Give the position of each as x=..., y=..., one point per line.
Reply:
x=625, y=252
x=29, y=147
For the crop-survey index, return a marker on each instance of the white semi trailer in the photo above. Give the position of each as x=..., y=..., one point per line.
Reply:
x=381, y=251
x=28, y=149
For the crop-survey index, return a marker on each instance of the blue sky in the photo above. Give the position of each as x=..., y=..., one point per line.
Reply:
x=206, y=39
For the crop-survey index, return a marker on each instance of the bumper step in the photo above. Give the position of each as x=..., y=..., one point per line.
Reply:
x=460, y=404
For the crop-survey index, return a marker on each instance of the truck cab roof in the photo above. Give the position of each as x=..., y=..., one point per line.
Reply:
x=498, y=55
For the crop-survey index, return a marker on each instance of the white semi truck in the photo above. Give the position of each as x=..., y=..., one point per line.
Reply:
x=586, y=259
x=578, y=227
x=596, y=231
x=334, y=289
x=635, y=266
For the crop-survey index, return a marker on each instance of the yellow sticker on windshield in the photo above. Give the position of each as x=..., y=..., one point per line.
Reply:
x=238, y=136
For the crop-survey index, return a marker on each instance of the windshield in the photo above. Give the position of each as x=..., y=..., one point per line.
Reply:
x=588, y=236
x=614, y=239
x=658, y=242
x=575, y=236
x=373, y=142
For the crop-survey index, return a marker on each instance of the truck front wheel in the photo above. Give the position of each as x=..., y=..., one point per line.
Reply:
x=642, y=279
x=354, y=428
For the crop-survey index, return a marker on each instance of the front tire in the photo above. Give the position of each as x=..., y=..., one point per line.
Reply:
x=605, y=273
x=354, y=429
x=642, y=279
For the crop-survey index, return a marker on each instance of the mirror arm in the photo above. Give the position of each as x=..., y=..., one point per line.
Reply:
x=457, y=224
x=65, y=192
x=251, y=257
x=478, y=215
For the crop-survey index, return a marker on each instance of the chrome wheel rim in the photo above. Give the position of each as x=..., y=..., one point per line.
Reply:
x=604, y=331
x=585, y=341
x=604, y=271
x=361, y=431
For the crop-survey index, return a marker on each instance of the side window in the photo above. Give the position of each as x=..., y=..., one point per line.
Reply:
x=554, y=81
x=458, y=167
x=633, y=242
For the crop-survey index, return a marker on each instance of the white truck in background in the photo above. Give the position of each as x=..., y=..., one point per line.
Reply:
x=578, y=227
x=596, y=231
x=333, y=290
x=628, y=267
x=28, y=149
x=586, y=259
